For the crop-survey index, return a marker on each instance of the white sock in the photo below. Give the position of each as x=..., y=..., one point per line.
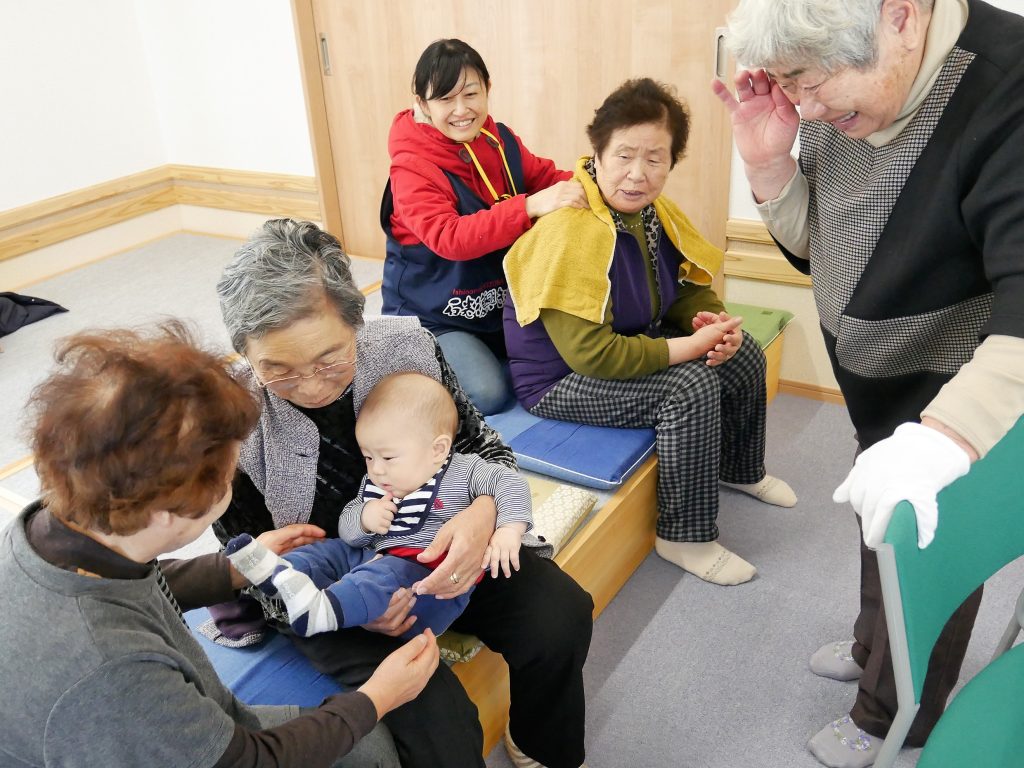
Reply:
x=708, y=560
x=770, y=490
x=254, y=561
x=310, y=610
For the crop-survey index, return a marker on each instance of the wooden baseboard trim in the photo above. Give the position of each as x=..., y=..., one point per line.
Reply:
x=63, y=217
x=15, y=467
x=812, y=391
x=264, y=193
x=80, y=220
x=79, y=198
x=234, y=238
x=751, y=253
x=17, y=275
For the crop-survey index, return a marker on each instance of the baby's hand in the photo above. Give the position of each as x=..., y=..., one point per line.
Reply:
x=503, y=551
x=378, y=514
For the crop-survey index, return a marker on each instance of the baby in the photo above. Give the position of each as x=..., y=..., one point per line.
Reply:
x=414, y=483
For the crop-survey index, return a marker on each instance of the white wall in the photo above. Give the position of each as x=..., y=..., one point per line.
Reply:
x=229, y=89
x=741, y=203
x=92, y=91
x=78, y=105
x=1017, y=6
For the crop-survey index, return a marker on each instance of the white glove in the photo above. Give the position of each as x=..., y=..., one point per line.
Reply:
x=913, y=465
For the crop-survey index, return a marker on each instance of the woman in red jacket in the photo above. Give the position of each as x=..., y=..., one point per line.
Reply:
x=462, y=189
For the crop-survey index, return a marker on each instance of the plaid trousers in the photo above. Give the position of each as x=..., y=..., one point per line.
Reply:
x=709, y=421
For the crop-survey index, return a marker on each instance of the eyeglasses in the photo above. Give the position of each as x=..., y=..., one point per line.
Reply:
x=792, y=89
x=332, y=372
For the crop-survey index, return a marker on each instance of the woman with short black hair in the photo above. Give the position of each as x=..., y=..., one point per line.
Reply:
x=462, y=189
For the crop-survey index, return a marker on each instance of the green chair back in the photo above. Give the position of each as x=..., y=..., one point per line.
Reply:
x=984, y=724
x=981, y=529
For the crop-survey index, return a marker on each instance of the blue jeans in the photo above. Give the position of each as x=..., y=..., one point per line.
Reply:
x=482, y=375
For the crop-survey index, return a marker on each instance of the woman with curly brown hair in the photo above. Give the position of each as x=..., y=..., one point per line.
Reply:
x=136, y=437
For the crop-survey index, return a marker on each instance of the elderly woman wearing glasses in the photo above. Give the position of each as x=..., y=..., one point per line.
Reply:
x=293, y=311
x=906, y=206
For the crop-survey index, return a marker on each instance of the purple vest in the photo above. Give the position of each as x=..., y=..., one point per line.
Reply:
x=535, y=363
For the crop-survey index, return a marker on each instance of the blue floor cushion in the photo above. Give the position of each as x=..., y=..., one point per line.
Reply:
x=596, y=457
x=272, y=672
x=603, y=457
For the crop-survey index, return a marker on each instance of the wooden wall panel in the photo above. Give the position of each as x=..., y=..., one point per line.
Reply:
x=551, y=62
x=751, y=253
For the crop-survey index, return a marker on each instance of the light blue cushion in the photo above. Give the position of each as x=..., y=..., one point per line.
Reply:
x=595, y=457
x=275, y=671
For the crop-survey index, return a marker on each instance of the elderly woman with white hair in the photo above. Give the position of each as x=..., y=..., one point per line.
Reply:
x=906, y=206
x=293, y=311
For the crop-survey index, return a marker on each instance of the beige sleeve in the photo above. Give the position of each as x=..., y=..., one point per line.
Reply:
x=986, y=397
x=786, y=215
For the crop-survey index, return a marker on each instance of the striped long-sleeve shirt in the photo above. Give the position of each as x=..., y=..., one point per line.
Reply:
x=422, y=513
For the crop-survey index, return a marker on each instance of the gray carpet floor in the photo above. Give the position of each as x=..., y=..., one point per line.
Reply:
x=681, y=674
x=172, y=277
x=684, y=674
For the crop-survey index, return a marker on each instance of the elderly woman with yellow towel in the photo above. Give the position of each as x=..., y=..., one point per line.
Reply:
x=611, y=320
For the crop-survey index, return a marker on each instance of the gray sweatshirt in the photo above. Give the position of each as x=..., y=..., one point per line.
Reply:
x=103, y=672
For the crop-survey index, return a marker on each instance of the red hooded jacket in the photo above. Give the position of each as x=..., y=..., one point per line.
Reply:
x=425, y=203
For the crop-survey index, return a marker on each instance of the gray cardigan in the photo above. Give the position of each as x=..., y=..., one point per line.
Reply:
x=281, y=454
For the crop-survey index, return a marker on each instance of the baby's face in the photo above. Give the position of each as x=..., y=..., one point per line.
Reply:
x=399, y=457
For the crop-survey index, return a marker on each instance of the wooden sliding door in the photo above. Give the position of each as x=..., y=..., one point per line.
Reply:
x=551, y=62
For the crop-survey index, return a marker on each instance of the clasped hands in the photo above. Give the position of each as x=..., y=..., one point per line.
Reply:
x=912, y=465
x=724, y=336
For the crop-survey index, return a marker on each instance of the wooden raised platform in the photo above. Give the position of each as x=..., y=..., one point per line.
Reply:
x=601, y=557
x=773, y=357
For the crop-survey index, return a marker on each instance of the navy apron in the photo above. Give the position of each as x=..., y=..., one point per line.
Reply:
x=449, y=295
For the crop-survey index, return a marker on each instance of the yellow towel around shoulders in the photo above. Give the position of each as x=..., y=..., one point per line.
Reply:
x=562, y=262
